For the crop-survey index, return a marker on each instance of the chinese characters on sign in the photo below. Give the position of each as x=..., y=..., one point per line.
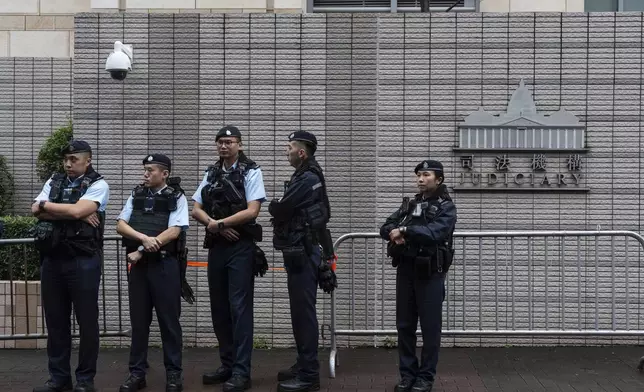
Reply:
x=538, y=164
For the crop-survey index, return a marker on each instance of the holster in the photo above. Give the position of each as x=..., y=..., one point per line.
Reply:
x=260, y=264
x=43, y=234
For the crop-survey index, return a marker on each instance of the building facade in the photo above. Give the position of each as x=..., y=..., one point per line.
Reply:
x=45, y=28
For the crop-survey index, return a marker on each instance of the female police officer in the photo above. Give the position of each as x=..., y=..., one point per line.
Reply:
x=420, y=239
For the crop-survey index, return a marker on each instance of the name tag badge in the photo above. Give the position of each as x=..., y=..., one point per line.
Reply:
x=148, y=205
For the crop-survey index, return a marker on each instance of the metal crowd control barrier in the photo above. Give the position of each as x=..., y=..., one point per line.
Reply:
x=25, y=319
x=502, y=283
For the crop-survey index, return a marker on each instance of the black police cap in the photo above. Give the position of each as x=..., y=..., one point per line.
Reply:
x=228, y=130
x=429, y=164
x=75, y=147
x=306, y=137
x=158, y=159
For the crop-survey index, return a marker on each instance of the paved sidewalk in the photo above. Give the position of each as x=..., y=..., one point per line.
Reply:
x=572, y=369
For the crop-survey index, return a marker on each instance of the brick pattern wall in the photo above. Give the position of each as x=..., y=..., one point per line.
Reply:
x=35, y=99
x=383, y=92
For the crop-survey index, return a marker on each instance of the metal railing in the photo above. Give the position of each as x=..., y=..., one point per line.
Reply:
x=21, y=291
x=502, y=283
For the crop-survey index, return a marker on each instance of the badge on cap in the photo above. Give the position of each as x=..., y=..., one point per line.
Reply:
x=228, y=132
x=71, y=147
x=425, y=165
x=150, y=158
x=292, y=136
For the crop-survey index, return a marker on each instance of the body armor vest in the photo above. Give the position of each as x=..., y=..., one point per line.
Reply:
x=224, y=194
x=420, y=213
x=306, y=221
x=75, y=234
x=150, y=214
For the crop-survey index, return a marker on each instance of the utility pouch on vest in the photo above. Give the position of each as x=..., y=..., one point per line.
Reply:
x=254, y=231
x=294, y=257
x=316, y=216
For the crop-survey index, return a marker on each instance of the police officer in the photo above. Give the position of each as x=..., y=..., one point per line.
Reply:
x=71, y=213
x=299, y=230
x=420, y=244
x=227, y=202
x=152, y=223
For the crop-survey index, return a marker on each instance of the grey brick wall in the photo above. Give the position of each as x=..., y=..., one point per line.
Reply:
x=35, y=99
x=383, y=92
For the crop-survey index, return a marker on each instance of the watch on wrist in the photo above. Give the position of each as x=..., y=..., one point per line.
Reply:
x=220, y=225
x=141, y=248
x=41, y=205
x=403, y=229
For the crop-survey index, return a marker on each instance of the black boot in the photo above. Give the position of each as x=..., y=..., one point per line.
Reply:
x=217, y=377
x=404, y=385
x=422, y=386
x=51, y=386
x=237, y=383
x=84, y=386
x=133, y=383
x=299, y=385
x=174, y=383
x=288, y=374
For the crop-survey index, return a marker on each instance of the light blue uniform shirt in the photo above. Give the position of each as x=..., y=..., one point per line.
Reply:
x=98, y=192
x=178, y=217
x=253, y=185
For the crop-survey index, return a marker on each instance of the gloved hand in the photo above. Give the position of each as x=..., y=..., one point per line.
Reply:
x=326, y=276
x=260, y=264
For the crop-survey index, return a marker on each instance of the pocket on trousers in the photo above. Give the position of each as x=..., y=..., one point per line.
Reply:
x=294, y=256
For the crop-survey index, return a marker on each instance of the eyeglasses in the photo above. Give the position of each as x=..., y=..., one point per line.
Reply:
x=227, y=143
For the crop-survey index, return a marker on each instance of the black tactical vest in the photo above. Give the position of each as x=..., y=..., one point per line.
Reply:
x=150, y=214
x=225, y=195
x=420, y=213
x=81, y=236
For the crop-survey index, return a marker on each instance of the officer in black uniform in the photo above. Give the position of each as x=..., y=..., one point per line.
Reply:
x=227, y=202
x=420, y=244
x=69, y=236
x=153, y=224
x=299, y=230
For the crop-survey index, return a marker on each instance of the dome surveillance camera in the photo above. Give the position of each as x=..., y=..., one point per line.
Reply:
x=119, y=62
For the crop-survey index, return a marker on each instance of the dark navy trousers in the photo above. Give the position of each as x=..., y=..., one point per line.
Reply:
x=302, y=294
x=65, y=283
x=418, y=298
x=155, y=284
x=232, y=284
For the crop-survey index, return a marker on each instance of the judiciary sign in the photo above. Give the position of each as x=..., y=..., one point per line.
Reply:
x=521, y=150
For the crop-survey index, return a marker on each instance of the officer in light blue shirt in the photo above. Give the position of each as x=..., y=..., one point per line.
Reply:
x=71, y=207
x=153, y=224
x=227, y=202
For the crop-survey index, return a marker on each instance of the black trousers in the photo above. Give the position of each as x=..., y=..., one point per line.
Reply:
x=302, y=294
x=232, y=283
x=418, y=299
x=155, y=284
x=65, y=283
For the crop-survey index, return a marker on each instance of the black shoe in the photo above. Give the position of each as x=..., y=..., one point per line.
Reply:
x=299, y=385
x=51, y=386
x=133, y=383
x=84, y=386
x=404, y=385
x=237, y=383
x=174, y=383
x=288, y=374
x=218, y=376
x=422, y=386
